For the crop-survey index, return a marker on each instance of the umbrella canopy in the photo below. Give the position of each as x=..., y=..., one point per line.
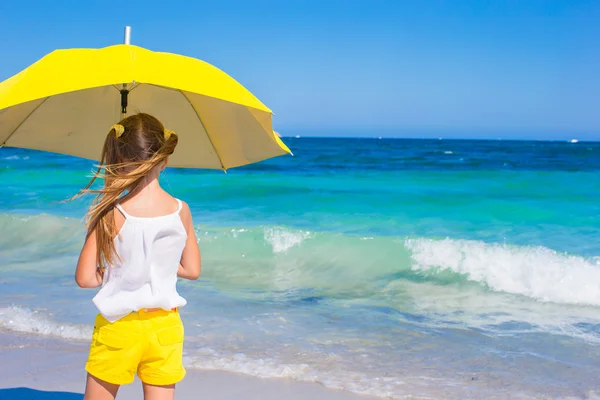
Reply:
x=67, y=101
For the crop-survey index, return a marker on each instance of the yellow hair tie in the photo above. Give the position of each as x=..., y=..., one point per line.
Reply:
x=119, y=130
x=168, y=133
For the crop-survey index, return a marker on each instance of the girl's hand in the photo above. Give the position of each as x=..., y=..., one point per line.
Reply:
x=88, y=274
x=190, y=264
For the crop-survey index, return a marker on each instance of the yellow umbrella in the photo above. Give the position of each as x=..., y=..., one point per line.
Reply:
x=67, y=101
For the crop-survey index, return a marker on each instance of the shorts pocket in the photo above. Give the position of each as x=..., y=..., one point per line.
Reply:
x=171, y=335
x=115, y=339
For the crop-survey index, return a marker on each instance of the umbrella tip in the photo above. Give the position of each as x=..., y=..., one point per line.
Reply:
x=127, y=35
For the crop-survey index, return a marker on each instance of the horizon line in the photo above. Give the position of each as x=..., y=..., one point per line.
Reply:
x=572, y=141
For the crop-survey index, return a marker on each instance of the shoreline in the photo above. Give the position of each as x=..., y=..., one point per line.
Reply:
x=47, y=368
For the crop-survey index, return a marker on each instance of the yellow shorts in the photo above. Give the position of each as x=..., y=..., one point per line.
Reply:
x=149, y=343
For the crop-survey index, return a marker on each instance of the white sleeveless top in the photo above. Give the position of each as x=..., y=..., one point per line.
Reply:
x=145, y=273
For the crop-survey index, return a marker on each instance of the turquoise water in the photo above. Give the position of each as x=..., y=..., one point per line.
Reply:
x=431, y=268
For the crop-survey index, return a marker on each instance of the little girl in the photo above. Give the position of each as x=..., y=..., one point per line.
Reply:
x=139, y=240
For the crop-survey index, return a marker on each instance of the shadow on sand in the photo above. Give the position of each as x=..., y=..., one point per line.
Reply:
x=32, y=394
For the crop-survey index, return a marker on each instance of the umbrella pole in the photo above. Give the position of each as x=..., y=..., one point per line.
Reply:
x=124, y=91
x=127, y=35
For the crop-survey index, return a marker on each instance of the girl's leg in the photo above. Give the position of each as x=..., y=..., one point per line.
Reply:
x=152, y=392
x=97, y=389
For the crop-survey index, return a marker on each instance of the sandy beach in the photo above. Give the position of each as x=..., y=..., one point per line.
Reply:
x=43, y=368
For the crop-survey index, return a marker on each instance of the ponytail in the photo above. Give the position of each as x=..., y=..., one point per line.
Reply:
x=125, y=163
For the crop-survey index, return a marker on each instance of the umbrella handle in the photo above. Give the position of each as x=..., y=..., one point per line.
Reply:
x=124, y=93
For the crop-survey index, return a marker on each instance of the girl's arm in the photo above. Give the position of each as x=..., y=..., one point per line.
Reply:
x=87, y=274
x=190, y=264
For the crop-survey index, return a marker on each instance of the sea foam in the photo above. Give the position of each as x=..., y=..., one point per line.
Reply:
x=536, y=272
x=19, y=319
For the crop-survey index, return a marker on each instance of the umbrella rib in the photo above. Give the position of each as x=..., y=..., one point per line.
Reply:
x=205, y=130
x=130, y=90
x=22, y=122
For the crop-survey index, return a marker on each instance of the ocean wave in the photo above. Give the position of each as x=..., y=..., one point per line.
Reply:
x=359, y=267
x=40, y=233
x=536, y=272
x=264, y=367
x=280, y=259
x=282, y=239
x=209, y=359
x=15, y=157
x=17, y=319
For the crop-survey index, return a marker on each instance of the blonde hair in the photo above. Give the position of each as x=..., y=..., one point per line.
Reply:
x=132, y=150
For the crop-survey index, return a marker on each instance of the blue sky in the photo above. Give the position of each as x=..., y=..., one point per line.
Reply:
x=420, y=68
